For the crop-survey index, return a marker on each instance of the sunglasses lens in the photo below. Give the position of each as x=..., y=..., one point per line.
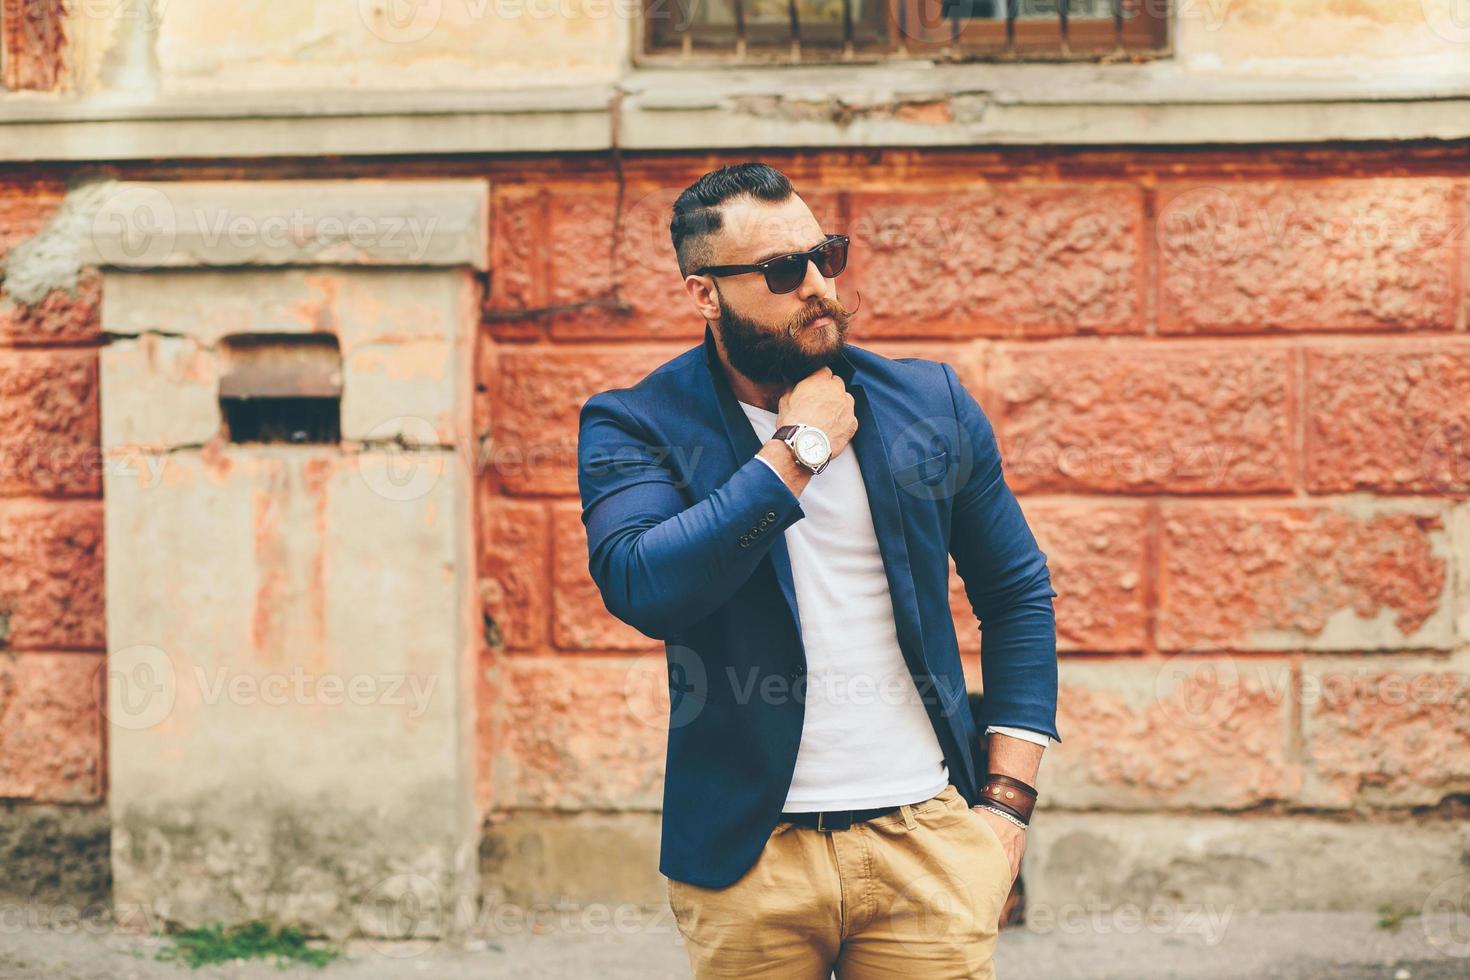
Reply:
x=832, y=259
x=785, y=274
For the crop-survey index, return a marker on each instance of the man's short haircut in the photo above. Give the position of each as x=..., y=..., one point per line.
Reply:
x=697, y=211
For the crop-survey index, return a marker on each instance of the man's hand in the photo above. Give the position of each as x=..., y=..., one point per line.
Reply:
x=1011, y=836
x=821, y=399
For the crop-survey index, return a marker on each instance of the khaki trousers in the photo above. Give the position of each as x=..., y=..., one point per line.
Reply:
x=915, y=893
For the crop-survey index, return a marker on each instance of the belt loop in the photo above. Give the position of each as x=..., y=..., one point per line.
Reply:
x=908, y=816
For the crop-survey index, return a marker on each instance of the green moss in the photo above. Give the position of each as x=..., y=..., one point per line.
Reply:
x=1391, y=918
x=252, y=940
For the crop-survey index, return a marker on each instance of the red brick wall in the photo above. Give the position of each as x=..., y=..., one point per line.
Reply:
x=1234, y=395
x=51, y=613
x=1233, y=391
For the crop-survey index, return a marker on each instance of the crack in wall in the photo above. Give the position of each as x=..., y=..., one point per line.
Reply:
x=936, y=109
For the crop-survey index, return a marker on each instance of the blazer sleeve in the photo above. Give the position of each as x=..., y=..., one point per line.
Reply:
x=1006, y=580
x=662, y=564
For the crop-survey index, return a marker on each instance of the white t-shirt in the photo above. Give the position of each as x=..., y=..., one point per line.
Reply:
x=866, y=740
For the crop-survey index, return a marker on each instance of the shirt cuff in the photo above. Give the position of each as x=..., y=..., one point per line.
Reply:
x=772, y=466
x=1040, y=738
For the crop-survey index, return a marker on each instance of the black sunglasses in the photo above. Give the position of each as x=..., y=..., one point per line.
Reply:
x=785, y=272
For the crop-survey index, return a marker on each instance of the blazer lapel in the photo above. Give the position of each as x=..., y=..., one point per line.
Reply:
x=874, y=460
x=877, y=471
x=746, y=444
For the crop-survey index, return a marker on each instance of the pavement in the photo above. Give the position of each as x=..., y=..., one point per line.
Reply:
x=1278, y=946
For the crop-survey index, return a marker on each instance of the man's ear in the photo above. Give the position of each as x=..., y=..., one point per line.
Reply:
x=705, y=299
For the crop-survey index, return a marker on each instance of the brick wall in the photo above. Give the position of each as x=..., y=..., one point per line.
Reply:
x=1233, y=391
x=51, y=613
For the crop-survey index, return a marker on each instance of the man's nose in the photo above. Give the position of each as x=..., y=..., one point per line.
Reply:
x=813, y=284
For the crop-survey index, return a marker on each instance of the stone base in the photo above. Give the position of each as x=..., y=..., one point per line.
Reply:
x=1219, y=863
x=55, y=855
x=323, y=865
x=532, y=863
x=535, y=856
x=1248, y=863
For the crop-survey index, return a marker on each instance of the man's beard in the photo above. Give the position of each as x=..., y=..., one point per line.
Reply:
x=779, y=355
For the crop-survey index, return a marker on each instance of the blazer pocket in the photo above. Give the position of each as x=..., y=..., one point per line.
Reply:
x=929, y=471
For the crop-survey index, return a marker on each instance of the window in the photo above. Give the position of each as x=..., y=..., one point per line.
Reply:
x=281, y=388
x=746, y=31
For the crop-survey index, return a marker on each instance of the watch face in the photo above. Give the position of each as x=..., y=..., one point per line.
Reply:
x=811, y=447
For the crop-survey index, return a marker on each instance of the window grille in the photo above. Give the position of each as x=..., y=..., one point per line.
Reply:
x=746, y=31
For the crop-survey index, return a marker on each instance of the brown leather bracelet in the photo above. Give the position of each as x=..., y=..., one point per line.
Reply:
x=1000, y=777
x=1011, y=793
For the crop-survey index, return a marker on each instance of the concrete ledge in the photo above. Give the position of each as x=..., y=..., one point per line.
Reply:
x=305, y=124
x=424, y=223
x=927, y=104
x=911, y=103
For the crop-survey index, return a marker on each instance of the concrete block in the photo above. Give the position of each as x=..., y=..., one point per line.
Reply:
x=1346, y=575
x=581, y=732
x=1216, y=866
x=51, y=743
x=405, y=337
x=149, y=225
x=159, y=393
x=55, y=854
x=532, y=856
x=1460, y=543
x=1388, y=730
x=1190, y=731
x=302, y=745
x=51, y=599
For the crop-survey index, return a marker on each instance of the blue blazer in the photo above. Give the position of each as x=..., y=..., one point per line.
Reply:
x=684, y=542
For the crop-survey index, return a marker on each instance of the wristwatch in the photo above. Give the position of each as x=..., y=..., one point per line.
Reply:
x=808, y=443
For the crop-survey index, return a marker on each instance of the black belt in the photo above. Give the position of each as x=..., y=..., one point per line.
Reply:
x=834, y=819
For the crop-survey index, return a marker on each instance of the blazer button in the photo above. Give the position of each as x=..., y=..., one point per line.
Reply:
x=770, y=515
x=744, y=541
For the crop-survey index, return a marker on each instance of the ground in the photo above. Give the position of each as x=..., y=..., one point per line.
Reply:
x=1295, y=946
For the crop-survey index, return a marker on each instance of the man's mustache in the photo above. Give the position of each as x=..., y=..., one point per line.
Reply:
x=830, y=308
